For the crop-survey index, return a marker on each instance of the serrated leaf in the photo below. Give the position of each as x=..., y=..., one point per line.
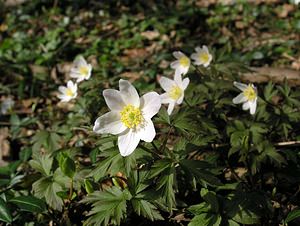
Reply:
x=42, y=164
x=198, y=170
x=29, y=203
x=108, y=206
x=5, y=214
x=48, y=188
x=206, y=219
x=146, y=209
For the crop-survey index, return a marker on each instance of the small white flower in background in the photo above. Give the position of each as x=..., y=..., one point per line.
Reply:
x=248, y=96
x=202, y=56
x=7, y=105
x=174, y=91
x=81, y=70
x=296, y=2
x=182, y=64
x=68, y=92
x=130, y=116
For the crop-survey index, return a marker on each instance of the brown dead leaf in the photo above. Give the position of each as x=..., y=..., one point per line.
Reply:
x=150, y=35
x=284, y=11
x=4, y=145
x=131, y=76
x=136, y=53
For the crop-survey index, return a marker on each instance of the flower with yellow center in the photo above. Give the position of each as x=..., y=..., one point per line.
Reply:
x=80, y=70
x=68, y=92
x=248, y=96
x=174, y=91
x=202, y=56
x=130, y=116
x=182, y=64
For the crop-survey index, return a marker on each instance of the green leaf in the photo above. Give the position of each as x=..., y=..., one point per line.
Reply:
x=5, y=214
x=48, y=188
x=146, y=209
x=206, y=219
x=67, y=165
x=211, y=198
x=29, y=203
x=108, y=206
x=197, y=169
x=112, y=163
x=42, y=163
x=294, y=214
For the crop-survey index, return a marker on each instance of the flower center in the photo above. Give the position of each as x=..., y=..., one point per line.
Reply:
x=175, y=92
x=69, y=92
x=250, y=93
x=204, y=57
x=83, y=70
x=184, y=61
x=131, y=116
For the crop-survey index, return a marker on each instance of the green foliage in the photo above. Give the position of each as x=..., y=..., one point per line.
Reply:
x=108, y=206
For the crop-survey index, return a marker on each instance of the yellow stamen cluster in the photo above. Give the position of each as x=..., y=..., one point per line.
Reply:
x=69, y=92
x=184, y=61
x=131, y=116
x=250, y=93
x=175, y=93
x=204, y=57
x=83, y=70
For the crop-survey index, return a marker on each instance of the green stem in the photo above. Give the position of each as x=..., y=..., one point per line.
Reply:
x=71, y=190
x=163, y=146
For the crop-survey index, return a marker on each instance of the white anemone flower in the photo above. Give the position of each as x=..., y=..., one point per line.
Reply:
x=68, y=92
x=80, y=70
x=6, y=105
x=248, y=96
x=174, y=91
x=202, y=56
x=130, y=116
x=182, y=64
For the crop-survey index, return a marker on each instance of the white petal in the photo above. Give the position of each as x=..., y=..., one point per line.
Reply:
x=62, y=89
x=150, y=104
x=253, y=105
x=246, y=106
x=178, y=79
x=113, y=99
x=165, y=99
x=74, y=88
x=239, y=99
x=198, y=49
x=127, y=142
x=204, y=48
x=70, y=84
x=185, y=83
x=147, y=133
x=240, y=86
x=129, y=93
x=80, y=79
x=175, y=64
x=171, y=107
x=166, y=83
x=109, y=123
x=178, y=54
x=79, y=61
x=180, y=99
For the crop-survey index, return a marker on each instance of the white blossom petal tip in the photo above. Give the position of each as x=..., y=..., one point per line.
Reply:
x=202, y=56
x=80, y=70
x=174, y=91
x=67, y=93
x=248, y=97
